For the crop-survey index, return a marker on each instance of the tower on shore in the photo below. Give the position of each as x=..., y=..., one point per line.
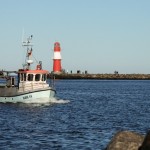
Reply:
x=57, y=58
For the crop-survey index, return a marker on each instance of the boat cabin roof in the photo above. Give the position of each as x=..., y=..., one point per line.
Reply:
x=34, y=71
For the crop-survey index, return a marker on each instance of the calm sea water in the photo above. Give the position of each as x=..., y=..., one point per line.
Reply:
x=86, y=117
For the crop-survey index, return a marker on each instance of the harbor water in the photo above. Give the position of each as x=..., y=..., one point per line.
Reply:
x=85, y=115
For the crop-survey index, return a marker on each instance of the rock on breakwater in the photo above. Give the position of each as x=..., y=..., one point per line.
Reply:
x=125, y=140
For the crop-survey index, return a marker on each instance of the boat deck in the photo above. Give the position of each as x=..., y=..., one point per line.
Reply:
x=8, y=91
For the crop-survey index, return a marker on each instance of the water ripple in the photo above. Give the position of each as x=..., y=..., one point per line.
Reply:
x=85, y=115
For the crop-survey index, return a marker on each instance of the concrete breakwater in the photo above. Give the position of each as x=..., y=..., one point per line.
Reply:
x=102, y=76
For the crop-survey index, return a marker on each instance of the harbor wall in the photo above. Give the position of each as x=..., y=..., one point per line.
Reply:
x=102, y=76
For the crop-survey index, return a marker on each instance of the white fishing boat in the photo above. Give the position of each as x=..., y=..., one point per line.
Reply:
x=26, y=85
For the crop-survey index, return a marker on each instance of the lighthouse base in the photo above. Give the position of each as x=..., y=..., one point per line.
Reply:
x=57, y=72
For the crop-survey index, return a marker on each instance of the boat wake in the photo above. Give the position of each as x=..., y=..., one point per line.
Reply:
x=53, y=100
x=59, y=101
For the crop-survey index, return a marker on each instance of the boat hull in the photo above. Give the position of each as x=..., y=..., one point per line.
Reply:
x=39, y=96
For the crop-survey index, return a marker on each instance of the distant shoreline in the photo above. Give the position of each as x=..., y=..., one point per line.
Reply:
x=102, y=76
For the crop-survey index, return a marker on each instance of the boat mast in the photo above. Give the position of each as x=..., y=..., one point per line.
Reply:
x=28, y=44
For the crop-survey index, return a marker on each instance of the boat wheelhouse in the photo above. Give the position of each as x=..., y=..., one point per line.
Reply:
x=32, y=80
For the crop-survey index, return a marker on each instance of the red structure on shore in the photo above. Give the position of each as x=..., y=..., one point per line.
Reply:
x=57, y=58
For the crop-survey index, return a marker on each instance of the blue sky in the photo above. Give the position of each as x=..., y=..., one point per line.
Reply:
x=99, y=36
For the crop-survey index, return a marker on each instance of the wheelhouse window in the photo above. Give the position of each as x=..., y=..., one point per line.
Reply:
x=37, y=77
x=30, y=77
x=22, y=77
x=44, y=77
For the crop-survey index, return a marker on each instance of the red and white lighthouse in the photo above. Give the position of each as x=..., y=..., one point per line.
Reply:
x=57, y=58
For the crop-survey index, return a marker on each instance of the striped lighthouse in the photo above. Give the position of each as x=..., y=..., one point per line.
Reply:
x=57, y=58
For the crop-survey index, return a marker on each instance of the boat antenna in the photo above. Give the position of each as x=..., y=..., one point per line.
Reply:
x=22, y=35
x=28, y=43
